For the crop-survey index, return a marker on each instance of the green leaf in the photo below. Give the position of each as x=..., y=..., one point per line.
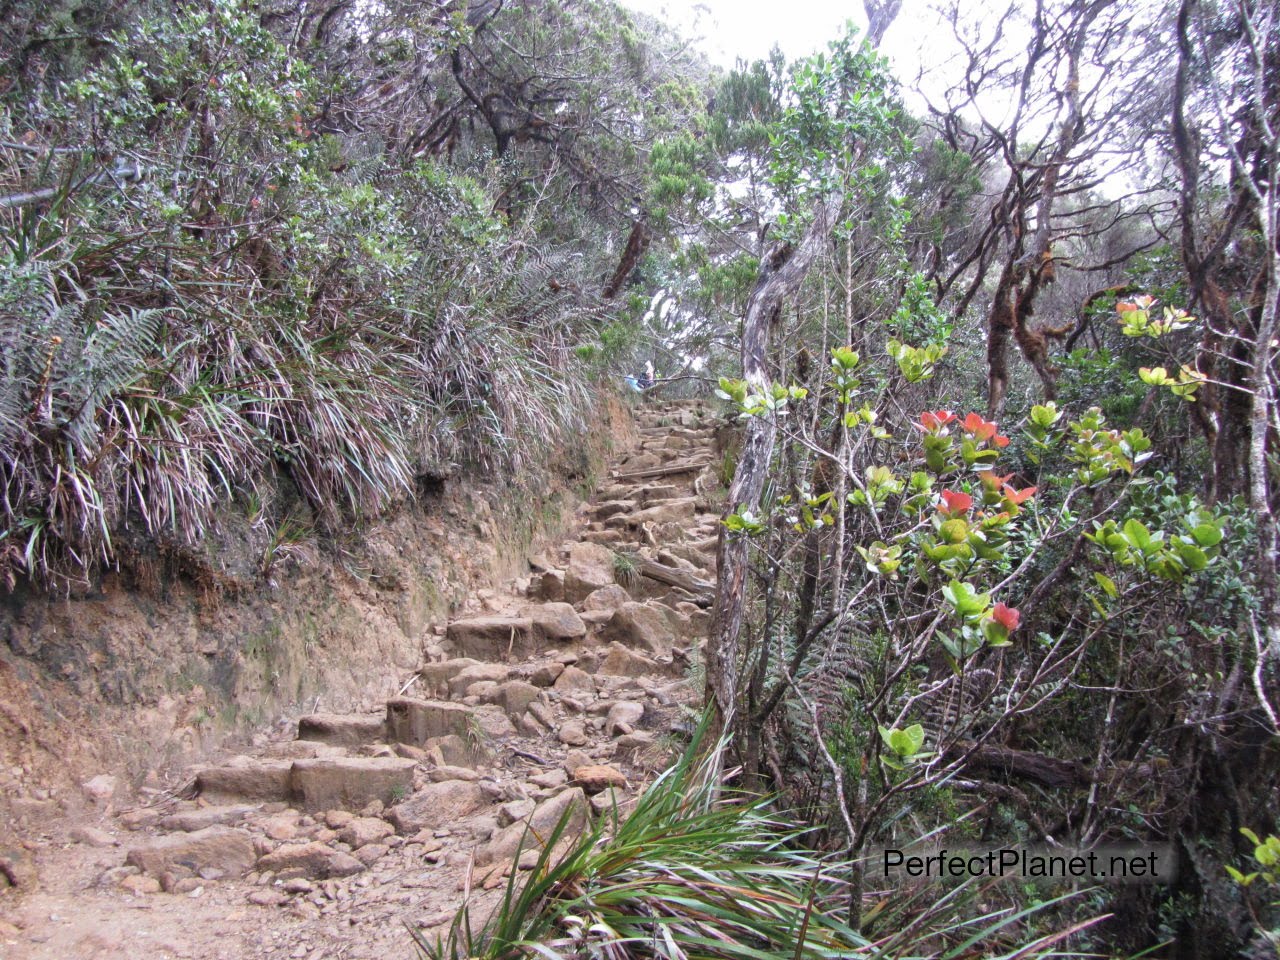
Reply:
x=1107, y=584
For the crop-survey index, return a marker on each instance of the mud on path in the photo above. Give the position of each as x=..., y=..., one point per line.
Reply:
x=565, y=693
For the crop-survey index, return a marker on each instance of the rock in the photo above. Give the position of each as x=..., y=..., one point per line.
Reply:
x=514, y=697
x=301, y=750
x=447, y=772
x=351, y=781
x=434, y=677
x=314, y=860
x=590, y=568
x=100, y=789
x=550, y=586
x=459, y=751
x=557, y=622
x=596, y=778
x=140, y=886
x=463, y=680
x=281, y=827
x=298, y=885
x=92, y=837
x=515, y=810
x=606, y=598
x=544, y=674
x=623, y=717
x=226, y=849
x=371, y=853
x=267, y=897
x=573, y=733
x=542, y=713
x=621, y=662
x=609, y=508
x=246, y=778
x=573, y=680
x=436, y=805
x=197, y=819
x=550, y=779
x=417, y=721
x=337, y=819
x=347, y=730
x=364, y=830
x=667, y=511
x=494, y=723
x=608, y=800
x=640, y=626
x=17, y=868
x=569, y=805
x=493, y=638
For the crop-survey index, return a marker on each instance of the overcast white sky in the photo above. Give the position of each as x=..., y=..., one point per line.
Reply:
x=728, y=29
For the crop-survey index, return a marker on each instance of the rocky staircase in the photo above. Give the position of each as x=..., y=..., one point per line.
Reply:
x=560, y=697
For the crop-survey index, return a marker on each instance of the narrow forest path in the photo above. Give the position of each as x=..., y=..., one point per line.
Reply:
x=560, y=697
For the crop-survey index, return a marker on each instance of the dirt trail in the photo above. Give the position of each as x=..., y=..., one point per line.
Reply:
x=560, y=695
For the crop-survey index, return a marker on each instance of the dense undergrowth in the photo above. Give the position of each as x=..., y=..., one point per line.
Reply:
x=212, y=284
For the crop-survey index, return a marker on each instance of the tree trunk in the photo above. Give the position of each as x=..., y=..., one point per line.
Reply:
x=782, y=271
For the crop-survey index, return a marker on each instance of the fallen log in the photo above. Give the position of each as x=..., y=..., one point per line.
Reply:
x=1023, y=764
x=667, y=470
x=672, y=577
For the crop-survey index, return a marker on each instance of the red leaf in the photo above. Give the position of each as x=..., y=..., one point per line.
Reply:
x=955, y=503
x=1007, y=617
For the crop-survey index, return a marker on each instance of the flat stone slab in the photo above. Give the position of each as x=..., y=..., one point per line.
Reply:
x=344, y=730
x=347, y=783
x=247, y=780
x=225, y=849
x=189, y=821
x=416, y=721
x=492, y=638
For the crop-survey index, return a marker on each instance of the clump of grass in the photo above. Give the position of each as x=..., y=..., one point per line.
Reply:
x=696, y=873
x=688, y=874
x=626, y=568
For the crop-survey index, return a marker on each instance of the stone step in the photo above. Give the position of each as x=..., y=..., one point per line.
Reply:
x=414, y=721
x=350, y=783
x=344, y=730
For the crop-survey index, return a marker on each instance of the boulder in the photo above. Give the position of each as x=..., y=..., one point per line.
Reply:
x=667, y=511
x=362, y=830
x=556, y=622
x=346, y=730
x=640, y=626
x=189, y=821
x=595, y=778
x=573, y=733
x=606, y=598
x=417, y=721
x=514, y=696
x=224, y=849
x=246, y=778
x=544, y=674
x=623, y=717
x=621, y=662
x=315, y=860
x=351, y=782
x=437, y=805
x=572, y=680
x=434, y=677
x=569, y=805
x=590, y=568
x=477, y=673
x=550, y=586
x=493, y=638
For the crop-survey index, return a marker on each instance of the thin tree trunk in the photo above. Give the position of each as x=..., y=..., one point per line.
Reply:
x=782, y=271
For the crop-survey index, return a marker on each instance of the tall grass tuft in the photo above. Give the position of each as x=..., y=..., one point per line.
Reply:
x=695, y=873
